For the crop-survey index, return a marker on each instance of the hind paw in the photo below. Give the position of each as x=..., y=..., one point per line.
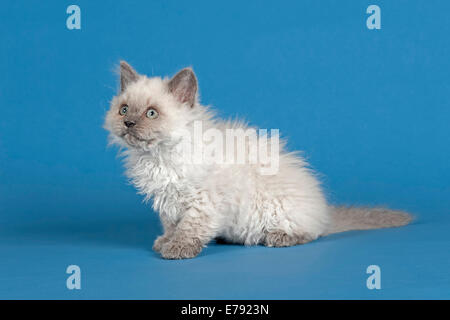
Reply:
x=282, y=239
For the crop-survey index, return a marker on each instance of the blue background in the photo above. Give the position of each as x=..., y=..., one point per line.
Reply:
x=370, y=108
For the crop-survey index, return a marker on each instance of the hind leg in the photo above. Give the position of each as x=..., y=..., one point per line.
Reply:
x=282, y=239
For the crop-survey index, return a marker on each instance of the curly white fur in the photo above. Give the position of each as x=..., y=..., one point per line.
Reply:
x=235, y=202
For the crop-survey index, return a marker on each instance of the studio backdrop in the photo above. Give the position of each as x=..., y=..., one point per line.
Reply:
x=361, y=88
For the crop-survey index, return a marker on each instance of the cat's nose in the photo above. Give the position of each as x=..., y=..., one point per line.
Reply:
x=129, y=124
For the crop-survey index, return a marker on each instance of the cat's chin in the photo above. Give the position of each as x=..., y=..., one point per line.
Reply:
x=134, y=142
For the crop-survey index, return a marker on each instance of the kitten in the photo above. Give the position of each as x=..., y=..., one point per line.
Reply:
x=153, y=119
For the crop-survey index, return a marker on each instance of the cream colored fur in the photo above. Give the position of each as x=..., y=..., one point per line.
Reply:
x=235, y=202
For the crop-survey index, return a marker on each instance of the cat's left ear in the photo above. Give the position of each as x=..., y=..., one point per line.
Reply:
x=127, y=75
x=184, y=86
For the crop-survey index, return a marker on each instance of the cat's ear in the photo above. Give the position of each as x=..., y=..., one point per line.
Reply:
x=127, y=75
x=183, y=86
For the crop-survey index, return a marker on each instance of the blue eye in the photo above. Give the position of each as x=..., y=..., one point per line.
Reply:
x=152, y=113
x=123, y=110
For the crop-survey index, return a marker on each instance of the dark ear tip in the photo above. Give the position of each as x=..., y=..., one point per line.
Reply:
x=124, y=64
x=188, y=70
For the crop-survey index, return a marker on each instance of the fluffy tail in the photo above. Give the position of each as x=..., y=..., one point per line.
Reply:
x=352, y=218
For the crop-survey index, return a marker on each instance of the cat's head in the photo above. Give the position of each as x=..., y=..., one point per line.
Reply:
x=150, y=111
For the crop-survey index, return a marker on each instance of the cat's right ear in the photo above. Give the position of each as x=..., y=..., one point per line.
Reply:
x=127, y=75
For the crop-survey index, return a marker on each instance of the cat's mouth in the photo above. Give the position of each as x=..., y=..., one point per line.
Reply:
x=136, y=141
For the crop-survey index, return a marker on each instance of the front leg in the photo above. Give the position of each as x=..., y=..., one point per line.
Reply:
x=193, y=232
x=169, y=228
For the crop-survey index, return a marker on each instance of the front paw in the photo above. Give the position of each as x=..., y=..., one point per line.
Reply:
x=159, y=242
x=176, y=249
